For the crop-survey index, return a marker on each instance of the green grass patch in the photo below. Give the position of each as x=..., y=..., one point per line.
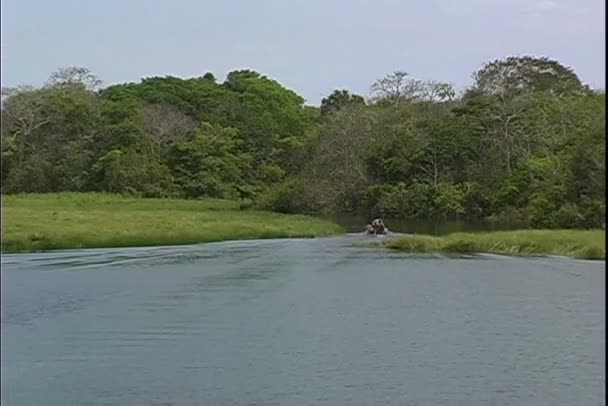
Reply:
x=587, y=244
x=103, y=201
x=35, y=222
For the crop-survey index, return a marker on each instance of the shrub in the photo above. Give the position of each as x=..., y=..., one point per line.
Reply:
x=277, y=198
x=568, y=216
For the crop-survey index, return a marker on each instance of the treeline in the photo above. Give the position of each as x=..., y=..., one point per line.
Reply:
x=524, y=144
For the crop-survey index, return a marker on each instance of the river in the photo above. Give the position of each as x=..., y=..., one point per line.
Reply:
x=355, y=224
x=300, y=322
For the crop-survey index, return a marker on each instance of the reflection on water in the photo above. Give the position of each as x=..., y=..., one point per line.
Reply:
x=299, y=322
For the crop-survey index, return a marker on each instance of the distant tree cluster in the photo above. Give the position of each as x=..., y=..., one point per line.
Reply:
x=525, y=143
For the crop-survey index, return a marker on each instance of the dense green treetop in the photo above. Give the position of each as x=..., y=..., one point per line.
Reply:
x=525, y=143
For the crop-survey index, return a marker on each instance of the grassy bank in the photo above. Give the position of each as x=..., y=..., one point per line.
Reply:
x=75, y=220
x=588, y=244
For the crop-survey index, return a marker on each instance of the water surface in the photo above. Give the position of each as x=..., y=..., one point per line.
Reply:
x=356, y=224
x=299, y=322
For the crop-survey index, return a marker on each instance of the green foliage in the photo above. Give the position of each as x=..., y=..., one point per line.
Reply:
x=278, y=198
x=525, y=144
x=422, y=200
x=208, y=165
x=339, y=99
x=335, y=178
x=130, y=171
x=525, y=74
x=569, y=216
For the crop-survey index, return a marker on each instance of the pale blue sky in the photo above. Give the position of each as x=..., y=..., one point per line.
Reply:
x=311, y=46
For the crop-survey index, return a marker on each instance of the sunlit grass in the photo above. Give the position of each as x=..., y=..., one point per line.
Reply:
x=73, y=220
x=79, y=201
x=588, y=244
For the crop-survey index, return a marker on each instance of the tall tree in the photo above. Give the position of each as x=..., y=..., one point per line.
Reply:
x=395, y=88
x=165, y=124
x=519, y=75
x=209, y=164
x=339, y=99
x=74, y=76
x=336, y=176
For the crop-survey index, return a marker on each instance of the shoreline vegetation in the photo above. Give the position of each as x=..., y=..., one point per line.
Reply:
x=523, y=144
x=55, y=221
x=582, y=244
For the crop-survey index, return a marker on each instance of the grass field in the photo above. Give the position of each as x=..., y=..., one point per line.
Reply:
x=588, y=244
x=32, y=222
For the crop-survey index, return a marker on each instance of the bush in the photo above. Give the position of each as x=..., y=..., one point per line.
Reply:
x=594, y=213
x=513, y=215
x=476, y=204
x=277, y=198
x=399, y=201
x=541, y=210
x=443, y=200
x=448, y=200
x=568, y=216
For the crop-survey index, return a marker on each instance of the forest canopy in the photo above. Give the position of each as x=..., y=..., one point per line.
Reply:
x=524, y=143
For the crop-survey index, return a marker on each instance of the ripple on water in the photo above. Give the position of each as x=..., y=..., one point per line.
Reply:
x=300, y=322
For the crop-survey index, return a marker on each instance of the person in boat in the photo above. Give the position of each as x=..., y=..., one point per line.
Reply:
x=376, y=227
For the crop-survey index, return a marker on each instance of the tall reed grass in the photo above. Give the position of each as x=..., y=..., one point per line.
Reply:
x=588, y=244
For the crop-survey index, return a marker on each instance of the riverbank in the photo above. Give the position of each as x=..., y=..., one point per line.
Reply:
x=41, y=222
x=585, y=244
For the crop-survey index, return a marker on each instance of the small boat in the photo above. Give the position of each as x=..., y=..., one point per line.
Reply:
x=371, y=230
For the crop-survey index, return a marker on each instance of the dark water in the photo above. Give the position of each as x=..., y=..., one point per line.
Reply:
x=299, y=322
x=355, y=224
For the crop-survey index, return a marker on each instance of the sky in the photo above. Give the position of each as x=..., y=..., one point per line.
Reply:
x=310, y=46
